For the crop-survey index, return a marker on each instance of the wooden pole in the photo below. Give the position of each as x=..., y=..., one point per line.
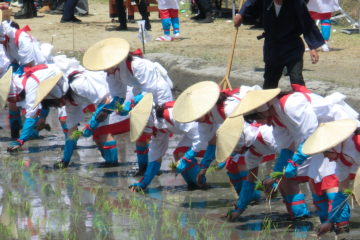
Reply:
x=225, y=82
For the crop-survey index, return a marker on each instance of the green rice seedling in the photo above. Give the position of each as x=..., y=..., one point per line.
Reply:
x=172, y=166
x=211, y=170
x=75, y=135
x=259, y=186
x=276, y=175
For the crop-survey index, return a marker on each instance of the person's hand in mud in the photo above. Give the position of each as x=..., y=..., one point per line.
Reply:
x=269, y=186
x=42, y=125
x=102, y=116
x=136, y=188
x=200, y=178
x=324, y=228
x=234, y=215
x=14, y=146
x=314, y=56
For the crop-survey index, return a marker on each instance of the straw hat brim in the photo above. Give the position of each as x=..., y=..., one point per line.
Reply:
x=139, y=116
x=356, y=190
x=253, y=100
x=105, y=54
x=45, y=87
x=5, y=87
x=328, y=135
x=196, y=101
x=228, y=136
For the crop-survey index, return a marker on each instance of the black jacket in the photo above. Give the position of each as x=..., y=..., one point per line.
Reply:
x=283, y=43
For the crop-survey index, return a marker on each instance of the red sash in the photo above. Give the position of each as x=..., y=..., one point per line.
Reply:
x=19, y=31
x=29, y=72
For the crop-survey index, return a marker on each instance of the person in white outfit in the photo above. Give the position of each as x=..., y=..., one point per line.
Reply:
x=295, y=117
x=27, y=87
x=169, y=15
x=205, y=103
x=22, y=49
x=130, y=70
x=162, y=125
x=322, y=10
x=256, y=145
x=339, y=141
x=86, y=88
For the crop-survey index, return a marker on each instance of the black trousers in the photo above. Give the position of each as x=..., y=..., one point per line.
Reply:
x=121, y=11
x=69, y=10
x=273, y=73
x=141, y=4
x=204, y=6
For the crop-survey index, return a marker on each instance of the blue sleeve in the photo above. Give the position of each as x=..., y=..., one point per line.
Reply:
x=246, y=5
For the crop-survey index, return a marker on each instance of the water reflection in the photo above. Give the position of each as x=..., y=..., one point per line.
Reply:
x=88, y=202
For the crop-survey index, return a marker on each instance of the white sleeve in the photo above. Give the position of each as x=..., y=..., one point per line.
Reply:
x=158, y=146
x=206, y=132
x=252, y=161
x=26, y=49
x=191, y=131
x=75, y=115
x=303, y=119
x=91, y=86
x=142, y=70
x=31, y=91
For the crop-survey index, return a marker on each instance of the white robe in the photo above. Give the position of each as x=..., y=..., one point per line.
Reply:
x=323, y=6
x=28, y=50
x=168, y=4
x=148, y=77
x=160, y=141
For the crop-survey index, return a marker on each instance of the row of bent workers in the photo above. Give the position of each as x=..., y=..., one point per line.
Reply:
x=312, y=139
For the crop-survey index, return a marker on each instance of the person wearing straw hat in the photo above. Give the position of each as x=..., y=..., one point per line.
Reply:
x=205, y=103
x=343, y=148
x=85, y=88
x=256, y=145
x=163, y=125
x=22, y=50
x=129, y=69
x=284, y=23
x=294, y=117
x=27, y=85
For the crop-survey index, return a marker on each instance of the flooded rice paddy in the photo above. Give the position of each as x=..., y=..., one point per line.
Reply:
x=86, y=201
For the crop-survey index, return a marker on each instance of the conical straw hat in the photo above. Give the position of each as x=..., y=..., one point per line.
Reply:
x=45, y=87
x=196, y=101
x=105, y=54
x=254, y=99
x=356, y=190
x=228, y=136
x=139, y=116
x=5, y=83
x=328, y=135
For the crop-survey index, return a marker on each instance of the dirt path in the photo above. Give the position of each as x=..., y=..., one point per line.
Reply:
x=208, y=41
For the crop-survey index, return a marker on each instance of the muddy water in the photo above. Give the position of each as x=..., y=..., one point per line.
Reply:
x=89, y=202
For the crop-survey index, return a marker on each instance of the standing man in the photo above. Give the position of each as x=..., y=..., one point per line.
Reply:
x=142, y=6
x=205, y=12
x=284, y=22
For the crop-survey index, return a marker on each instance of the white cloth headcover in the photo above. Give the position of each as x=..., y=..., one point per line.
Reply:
x=5, y=29
x=67, y=65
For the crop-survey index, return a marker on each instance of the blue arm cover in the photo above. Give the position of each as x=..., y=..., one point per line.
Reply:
x=186, y=160
x=69, y=147
x=151, y=171
x=282, y=160
x=44, y=112
x=298, y=159
x=209, y=156
x=27, y=129
x=246, y=195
